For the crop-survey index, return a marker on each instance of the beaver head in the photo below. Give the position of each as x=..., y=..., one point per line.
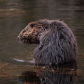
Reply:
x=33, y=32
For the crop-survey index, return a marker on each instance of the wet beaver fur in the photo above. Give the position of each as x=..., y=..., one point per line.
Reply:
x=56, y=42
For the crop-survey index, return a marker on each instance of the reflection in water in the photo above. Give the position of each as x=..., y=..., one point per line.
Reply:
x=29, y=77
x=62, y=74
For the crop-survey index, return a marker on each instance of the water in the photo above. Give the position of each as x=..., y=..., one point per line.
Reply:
x=15, y=15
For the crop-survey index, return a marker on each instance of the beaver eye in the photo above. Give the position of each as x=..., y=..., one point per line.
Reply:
x=32, y=25
x=24, y=31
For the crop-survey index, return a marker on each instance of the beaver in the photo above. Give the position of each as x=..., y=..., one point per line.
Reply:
x=56, y=42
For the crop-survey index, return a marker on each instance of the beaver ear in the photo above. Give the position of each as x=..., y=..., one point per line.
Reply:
x=46, y=27
x=53, y=25
x=58, y=25
x=32, y=25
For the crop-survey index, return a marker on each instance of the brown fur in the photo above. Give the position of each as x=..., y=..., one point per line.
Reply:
x=56, y=42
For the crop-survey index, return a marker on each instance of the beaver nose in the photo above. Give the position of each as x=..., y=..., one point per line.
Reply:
x=18, y=38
